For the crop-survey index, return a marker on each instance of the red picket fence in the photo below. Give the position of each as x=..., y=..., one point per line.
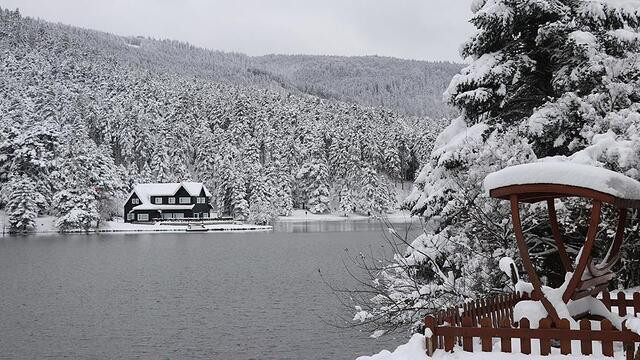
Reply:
x=485, y=319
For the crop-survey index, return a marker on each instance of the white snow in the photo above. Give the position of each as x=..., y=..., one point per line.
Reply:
x=505, y=265
x=551, y=171
x=413, y=350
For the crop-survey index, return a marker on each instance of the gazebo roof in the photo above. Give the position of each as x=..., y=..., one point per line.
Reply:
x=546, y=180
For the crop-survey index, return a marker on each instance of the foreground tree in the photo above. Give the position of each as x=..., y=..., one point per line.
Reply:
x=548, y=78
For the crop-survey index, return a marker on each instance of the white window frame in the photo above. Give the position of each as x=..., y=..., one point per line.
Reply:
x=158, y=200
x=131, y=216
x=184, y=200
x=143, y=217
x=135, y=201
x=201, y=200
x=172, y=200
x=205, y=215
x=178, y=215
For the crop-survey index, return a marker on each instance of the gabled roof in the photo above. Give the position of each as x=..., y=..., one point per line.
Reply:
x=146, y=191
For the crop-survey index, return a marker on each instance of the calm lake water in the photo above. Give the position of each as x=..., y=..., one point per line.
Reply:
x=175, y=296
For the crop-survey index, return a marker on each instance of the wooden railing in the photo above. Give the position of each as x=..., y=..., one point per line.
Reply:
x=482, y=321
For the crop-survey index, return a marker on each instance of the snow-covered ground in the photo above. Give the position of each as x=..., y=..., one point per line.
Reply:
x=45, y=224
x=415, y=349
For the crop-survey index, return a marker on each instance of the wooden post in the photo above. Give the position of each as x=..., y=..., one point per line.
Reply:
x=449, y=340
x=545, y=343
x=622, y=304
x=636, y=302
x=607, y=345
x=467, y=341
x=565, y=344
x=585, y=345
x=525, y=341
x=430, y=323
x=505, y=341
x=606, y=299
x=486, y=339
x=628, y=346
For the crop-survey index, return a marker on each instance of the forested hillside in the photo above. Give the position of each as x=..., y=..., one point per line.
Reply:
x=82, y=118
x=407, y=86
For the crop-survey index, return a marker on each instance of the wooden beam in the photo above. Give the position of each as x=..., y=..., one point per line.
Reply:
x=557, y=237
x=526, y=260
x=613, y=255
x=585, y=255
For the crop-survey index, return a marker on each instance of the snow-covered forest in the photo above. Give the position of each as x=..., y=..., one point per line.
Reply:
x=556, y=79
x=84, y=115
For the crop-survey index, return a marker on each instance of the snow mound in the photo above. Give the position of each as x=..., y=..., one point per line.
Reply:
x=415, y=349
x=566, y=173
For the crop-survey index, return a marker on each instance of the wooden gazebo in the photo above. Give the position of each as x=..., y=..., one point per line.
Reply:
x=547, y=181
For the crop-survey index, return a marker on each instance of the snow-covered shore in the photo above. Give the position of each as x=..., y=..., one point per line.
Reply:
x=45, y=225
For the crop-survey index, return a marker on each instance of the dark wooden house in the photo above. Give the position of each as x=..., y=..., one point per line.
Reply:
x=148, y=202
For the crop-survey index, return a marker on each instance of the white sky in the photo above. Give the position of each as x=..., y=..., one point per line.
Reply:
x=410, y=29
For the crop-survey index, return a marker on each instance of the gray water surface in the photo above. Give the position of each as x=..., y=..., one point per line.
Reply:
x=176, y=296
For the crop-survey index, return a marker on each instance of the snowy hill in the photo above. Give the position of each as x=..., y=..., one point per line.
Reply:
x=84, y=114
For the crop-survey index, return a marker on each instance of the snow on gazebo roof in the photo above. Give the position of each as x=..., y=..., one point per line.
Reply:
x=566, y=173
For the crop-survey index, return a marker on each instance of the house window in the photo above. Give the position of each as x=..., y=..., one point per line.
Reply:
x=130, y=216
x=172, y=200
x=135, y=201
x=201, y=200
x=185, y=200
x=158, y=200
x=205, y=215
x=196, y=215
x=178, y=215
x=143, y=217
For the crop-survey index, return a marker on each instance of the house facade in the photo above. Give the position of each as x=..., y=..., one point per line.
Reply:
x=149, y=202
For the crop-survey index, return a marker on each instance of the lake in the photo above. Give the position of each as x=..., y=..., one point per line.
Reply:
x=174, y=296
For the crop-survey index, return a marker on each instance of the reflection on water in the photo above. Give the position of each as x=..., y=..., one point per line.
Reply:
x=301, y=226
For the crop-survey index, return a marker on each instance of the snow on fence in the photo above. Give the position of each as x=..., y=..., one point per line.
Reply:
x=482, y=320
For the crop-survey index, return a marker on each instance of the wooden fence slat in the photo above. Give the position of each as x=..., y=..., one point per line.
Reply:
x=627, y=346
x=449, y=341
x=607, y=345
x=636, y=303
x=622, y=304
x=505, y=342
x=565, y=345
x=606, y=299
x=545, y=344
x=467, y=341
x=486, y=340
x=525, y=341
x=585, y=345
x=431, y=324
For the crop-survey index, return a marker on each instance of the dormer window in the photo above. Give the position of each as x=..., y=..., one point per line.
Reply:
x=172, y=200
x=158, y=200
x=201, y=200
x=185, y=200
x=135, y=201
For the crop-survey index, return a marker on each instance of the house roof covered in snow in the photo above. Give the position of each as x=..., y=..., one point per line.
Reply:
x=145, y=191
x=566, y=173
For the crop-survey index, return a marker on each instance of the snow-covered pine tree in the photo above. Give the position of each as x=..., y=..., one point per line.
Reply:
x=314, y=180
x=22, y=208
x=547, y=77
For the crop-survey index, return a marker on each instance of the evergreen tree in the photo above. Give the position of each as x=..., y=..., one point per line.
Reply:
x=22, y=208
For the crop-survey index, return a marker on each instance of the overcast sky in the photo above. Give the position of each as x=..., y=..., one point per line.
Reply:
x=410, y=29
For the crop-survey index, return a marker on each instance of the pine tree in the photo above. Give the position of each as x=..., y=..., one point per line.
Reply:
x=314, y=179
x=22, y=208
